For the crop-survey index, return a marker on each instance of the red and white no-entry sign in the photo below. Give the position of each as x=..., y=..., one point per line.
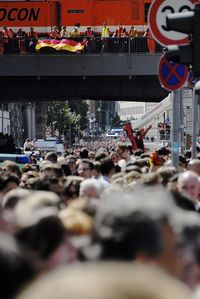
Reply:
x=158, y=11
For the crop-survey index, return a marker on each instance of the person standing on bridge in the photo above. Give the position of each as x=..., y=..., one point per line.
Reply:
x=150, y=41
x=32, y=38
x=65, y=33
x=8, y=36
x=105, y=34
x=133, y=32
x=55, y=34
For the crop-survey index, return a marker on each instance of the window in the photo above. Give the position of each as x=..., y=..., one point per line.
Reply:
x=75, y=11
x=146, y=10
x=135, y=10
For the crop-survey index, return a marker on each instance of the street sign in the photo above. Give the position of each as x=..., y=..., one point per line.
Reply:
x=172, y=76
x=158, y=11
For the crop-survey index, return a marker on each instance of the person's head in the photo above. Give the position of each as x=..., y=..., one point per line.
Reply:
x=107, y=281
x=91, y=188
x=12, y=197
x=85, y=168
x=76, y=222
x=84, y=153
x=131, y=176
x=27, y=175
x=91, y=155
x=51, y=169
x=100, y=155
x=51, y=156
x=122, y=151
x=194, y=165
x=182, y=162
x=71, y=162
x=71, y=188
x=107, y=167
x=39, y=231
x=10, y=167
x=166, y=173
x=138, y=226
x=50, y=183
x=189, y=242
x=183, y=201
x=188, y=184
x=115, y=157
x=9, y=182
x=96, y=170
x=16, y=271
x=151, y=179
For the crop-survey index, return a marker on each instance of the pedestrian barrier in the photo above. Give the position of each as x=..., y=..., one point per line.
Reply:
x=94, y=45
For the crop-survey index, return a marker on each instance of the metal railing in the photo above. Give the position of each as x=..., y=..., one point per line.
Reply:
x=95, y=45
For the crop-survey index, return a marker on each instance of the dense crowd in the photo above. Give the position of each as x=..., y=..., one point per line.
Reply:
x=100, y=223
x=121, y=40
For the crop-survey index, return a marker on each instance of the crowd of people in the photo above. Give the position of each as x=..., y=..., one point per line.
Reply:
x=121, y=40
x=100, y=223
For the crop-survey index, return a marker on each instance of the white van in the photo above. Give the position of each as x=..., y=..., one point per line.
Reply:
x=50, y=144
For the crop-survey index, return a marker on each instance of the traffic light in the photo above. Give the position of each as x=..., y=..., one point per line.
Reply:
x=187, y=54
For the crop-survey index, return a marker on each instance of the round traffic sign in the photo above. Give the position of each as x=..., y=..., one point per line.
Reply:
x=158, y=11
x=172, y=76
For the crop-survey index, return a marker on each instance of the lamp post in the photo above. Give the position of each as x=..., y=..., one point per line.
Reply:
x=99, y=119
x=2, y=109
x=70, y=130
x=88, y=124
x=53, y=127
x=78, y=119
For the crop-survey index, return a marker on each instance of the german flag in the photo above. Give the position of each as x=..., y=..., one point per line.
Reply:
x=60, y=45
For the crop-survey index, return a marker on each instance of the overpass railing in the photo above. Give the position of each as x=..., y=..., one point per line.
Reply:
x=95, y=45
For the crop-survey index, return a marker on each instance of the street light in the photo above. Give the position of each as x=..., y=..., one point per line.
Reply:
x=78, y=119
x=70, y=129
x=53, y=127
x=99, y=118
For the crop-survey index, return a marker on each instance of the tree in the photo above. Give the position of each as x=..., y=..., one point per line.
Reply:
x=116, y=120
x=67, y=117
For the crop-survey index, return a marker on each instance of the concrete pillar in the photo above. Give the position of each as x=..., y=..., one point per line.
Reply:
x=33, y=121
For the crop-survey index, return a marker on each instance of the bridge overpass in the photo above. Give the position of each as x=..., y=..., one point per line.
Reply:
x=98, y=76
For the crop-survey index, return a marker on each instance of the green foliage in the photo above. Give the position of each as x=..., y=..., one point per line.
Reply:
x=116, y=120
x=67, y=117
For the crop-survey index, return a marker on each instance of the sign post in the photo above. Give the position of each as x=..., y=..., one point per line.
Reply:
x=194, y=121
x=181, y=123
x=175, y=127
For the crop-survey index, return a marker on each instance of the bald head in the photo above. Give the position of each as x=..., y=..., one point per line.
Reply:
x=188, y=183
x=194, y=165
